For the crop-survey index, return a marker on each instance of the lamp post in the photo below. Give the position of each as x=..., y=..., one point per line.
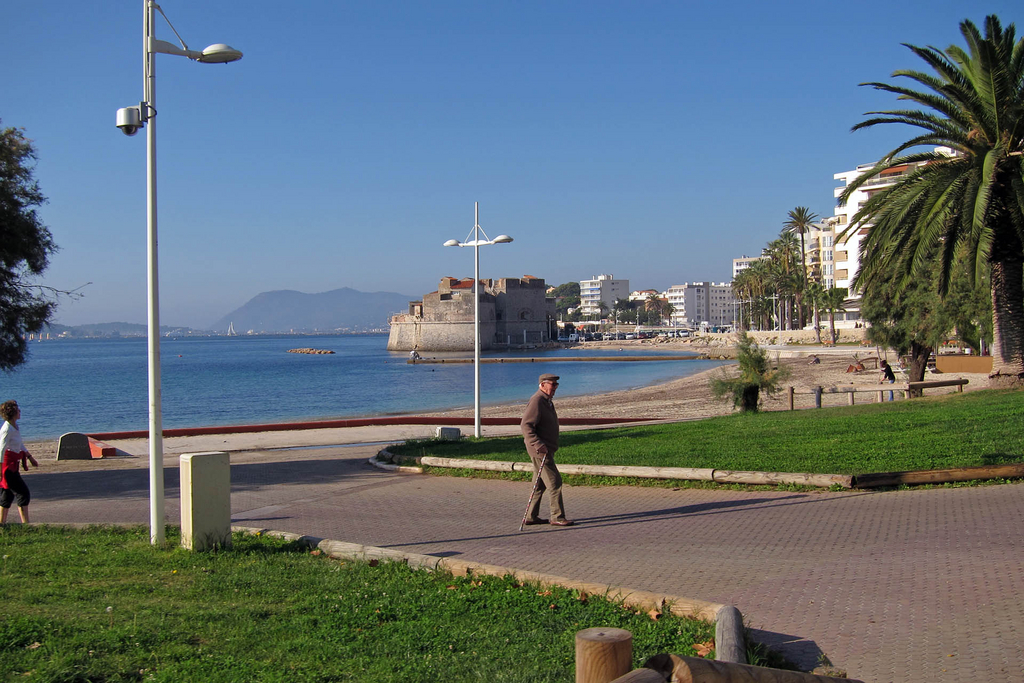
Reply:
x=476, y=243
x=129, y=120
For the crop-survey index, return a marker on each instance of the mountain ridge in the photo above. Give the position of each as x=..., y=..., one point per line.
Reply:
x=289, y=310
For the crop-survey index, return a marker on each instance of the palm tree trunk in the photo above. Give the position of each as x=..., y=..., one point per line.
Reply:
x=1007, y=323
x=803, y=281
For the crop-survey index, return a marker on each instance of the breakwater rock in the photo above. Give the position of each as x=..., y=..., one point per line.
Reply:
x=313, y=351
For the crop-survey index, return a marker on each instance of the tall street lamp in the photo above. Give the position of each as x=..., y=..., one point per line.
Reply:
x=129, y=120
x=476, y=243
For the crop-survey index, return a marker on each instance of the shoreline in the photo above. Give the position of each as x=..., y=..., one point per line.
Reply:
x=690, y=397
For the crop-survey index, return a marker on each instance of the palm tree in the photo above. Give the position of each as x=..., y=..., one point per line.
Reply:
x=967, y=199
x=815, y=294
x=832, y=301
x=801, y=220
x=657, y=304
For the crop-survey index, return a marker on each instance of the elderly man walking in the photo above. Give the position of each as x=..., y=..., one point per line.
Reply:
x=540, y=432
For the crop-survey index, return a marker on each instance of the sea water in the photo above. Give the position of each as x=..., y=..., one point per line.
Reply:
x=100, y=385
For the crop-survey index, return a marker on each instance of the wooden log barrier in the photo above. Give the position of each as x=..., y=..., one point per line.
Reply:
x=641, y=676
x=697, y=670
x=603, y=654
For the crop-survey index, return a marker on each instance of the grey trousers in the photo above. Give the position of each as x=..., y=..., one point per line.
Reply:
x=550, y=481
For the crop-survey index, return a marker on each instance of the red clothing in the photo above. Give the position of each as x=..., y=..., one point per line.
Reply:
x=11, y=462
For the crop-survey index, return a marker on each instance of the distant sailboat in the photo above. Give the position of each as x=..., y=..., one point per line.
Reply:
x=231, y=330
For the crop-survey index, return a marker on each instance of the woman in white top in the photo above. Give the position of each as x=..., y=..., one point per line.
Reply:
x=14, y=454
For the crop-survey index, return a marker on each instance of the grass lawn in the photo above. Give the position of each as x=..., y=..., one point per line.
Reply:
x=102, y=604
x=952, y=430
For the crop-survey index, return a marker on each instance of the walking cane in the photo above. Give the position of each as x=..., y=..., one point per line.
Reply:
x=536, y=484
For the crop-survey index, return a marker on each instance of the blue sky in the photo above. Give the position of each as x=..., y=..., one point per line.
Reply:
x=652, y=140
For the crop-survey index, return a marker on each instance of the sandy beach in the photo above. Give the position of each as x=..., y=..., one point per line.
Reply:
x=691, y=397
x=680, y=399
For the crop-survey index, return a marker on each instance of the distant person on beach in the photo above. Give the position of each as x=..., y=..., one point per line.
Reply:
x=12, y=486
x=540, y=432
x=814, y=360
x=887, y=375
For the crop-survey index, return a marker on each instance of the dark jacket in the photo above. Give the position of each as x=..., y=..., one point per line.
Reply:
x=540, y=426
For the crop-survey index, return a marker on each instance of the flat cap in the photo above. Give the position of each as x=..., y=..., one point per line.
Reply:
x=547, y=378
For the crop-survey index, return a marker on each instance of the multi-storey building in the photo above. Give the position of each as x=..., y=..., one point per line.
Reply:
x=601, y=289
x=702, y=304
x=848, y=250
x=741, y=264
x=820, y=253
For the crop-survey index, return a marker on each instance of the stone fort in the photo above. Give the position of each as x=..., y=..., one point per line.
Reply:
x=513, y=312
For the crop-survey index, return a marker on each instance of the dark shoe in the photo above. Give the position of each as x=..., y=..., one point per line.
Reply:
x=531, y=522
x=562, y=522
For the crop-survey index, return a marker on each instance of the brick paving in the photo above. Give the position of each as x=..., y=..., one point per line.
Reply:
x=895, y=586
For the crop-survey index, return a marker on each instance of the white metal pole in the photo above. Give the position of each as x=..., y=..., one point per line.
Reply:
x=476, y=319
x=156, y=449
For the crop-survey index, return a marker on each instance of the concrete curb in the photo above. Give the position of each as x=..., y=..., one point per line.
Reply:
x=728, y=621
x=384, y=458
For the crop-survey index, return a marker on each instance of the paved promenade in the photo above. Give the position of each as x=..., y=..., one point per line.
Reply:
x=900, y=586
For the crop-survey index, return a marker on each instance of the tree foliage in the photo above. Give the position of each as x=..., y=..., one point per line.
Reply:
x=915, y=320
x=757, y=374
x=25, y=248
x=965, y=198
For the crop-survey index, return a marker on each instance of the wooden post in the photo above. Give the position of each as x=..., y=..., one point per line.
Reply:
x=881, y=397
x=696, y=670
x=730, y=645
x=603, y=654
x=817, y=397
x=791, y=397
x=851, y=395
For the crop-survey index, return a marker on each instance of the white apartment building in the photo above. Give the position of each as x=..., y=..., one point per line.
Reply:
x=601, y=289
x=820, y=253
x=702, y=303
x=847, y=252
x=741, y=264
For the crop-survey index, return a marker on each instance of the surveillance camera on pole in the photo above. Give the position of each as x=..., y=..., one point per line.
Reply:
x=129, y=119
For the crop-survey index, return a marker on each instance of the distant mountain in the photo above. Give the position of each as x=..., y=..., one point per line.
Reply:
x=342, y=309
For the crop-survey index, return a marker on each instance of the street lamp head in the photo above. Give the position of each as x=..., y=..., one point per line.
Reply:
x=452, y=243
x=219, y=53
x=501, y=239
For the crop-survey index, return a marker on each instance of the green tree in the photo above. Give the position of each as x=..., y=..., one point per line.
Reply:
x=567, y=296
x=25, y=249
x=622, y=306
x=800, y=221
x=815, y=294
x=757, y=374
x=915, y=320
x=968, y=201
x=832, y=301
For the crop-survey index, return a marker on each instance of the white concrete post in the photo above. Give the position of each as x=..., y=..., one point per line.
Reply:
x=205, y=500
